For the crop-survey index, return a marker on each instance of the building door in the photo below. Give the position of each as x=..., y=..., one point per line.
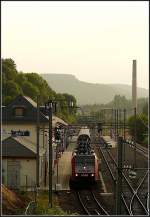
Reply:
x=13, y=174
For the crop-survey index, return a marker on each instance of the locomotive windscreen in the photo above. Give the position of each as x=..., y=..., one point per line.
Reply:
x=85, y=164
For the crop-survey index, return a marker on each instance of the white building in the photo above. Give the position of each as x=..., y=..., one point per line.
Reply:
x=19, y=131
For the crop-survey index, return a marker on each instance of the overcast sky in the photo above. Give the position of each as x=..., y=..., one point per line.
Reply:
x=95, y=41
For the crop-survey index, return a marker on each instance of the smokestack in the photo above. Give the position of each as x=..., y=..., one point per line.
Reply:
x=134, y=85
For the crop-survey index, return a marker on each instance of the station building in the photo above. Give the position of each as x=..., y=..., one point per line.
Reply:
x=19, y=142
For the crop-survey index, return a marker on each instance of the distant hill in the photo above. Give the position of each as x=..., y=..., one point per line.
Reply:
x=89, y=93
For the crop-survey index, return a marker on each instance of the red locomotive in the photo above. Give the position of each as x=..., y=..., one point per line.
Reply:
x=84, y=161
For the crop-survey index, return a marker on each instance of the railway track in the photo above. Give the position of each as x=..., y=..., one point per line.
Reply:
x=131, y=200
x=90, y=204
x=112, y=171
x=133, y=209
x=142, y=150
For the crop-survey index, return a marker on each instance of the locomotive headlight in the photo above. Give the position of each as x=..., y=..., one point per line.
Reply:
x=76, y=174
x=84, y=168
x=92, y=174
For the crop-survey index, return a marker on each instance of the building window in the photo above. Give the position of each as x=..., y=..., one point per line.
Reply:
x=19, y=112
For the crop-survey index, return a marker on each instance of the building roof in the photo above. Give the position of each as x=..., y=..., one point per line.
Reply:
x=31, y=101
x=19, y=147
x=58, y=121
x=30, y=111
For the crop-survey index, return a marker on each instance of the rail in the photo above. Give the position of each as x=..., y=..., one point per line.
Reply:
x=84, y=207
x=138, y=147
x=114, y=181
x=132, y=199
x=89, y=196
x=126, y=180
x=130, y=186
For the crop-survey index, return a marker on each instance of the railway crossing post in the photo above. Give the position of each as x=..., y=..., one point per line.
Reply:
x=119, y=176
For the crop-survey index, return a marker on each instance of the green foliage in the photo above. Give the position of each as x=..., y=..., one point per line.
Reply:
x=30, y=90
x=120, y=102
x=21, y=78
x=145, y=108
x=32, y=84
x=51, y=211
x=141, y=126
x=7, y=99
x=11, y=88
x=9, y=71
x=145, y=141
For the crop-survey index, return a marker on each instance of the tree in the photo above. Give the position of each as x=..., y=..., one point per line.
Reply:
x=9, y=71
x=141, y=126
x=10, y=88
x=6, y=100
x=145, y=108
x=45, y=91
x=10, y=91
x=30, y=90
x=31, y=84
x=21, y=78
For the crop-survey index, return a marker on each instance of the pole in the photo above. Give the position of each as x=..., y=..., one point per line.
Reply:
x=112, y=123
x=57, y=163
x=135, y=138
x=50, y=154
x=38, y=138
x=124, y=127
x=115, y=125
x=120, y=123
x=119, y=177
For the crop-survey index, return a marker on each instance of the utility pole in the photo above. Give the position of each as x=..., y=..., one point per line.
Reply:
x=135, y=137
x=118, y=122
x=115, y=124
x=38, y=138
x=119, y=177
x=50, y=153
x=112, y=123
x=121, y=134
x=124, y=127
x=134, y=103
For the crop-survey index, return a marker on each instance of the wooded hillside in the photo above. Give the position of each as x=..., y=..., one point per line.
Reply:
x=32, y=85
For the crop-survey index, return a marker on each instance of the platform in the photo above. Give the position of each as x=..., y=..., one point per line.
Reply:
x=64, y=169
x=112, y=142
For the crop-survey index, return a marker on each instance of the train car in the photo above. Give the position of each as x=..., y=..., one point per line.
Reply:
x=84, y=161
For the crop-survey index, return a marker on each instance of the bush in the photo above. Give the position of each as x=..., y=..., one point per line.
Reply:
x=51, y=211
x=141, y=126
x=145, y=142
